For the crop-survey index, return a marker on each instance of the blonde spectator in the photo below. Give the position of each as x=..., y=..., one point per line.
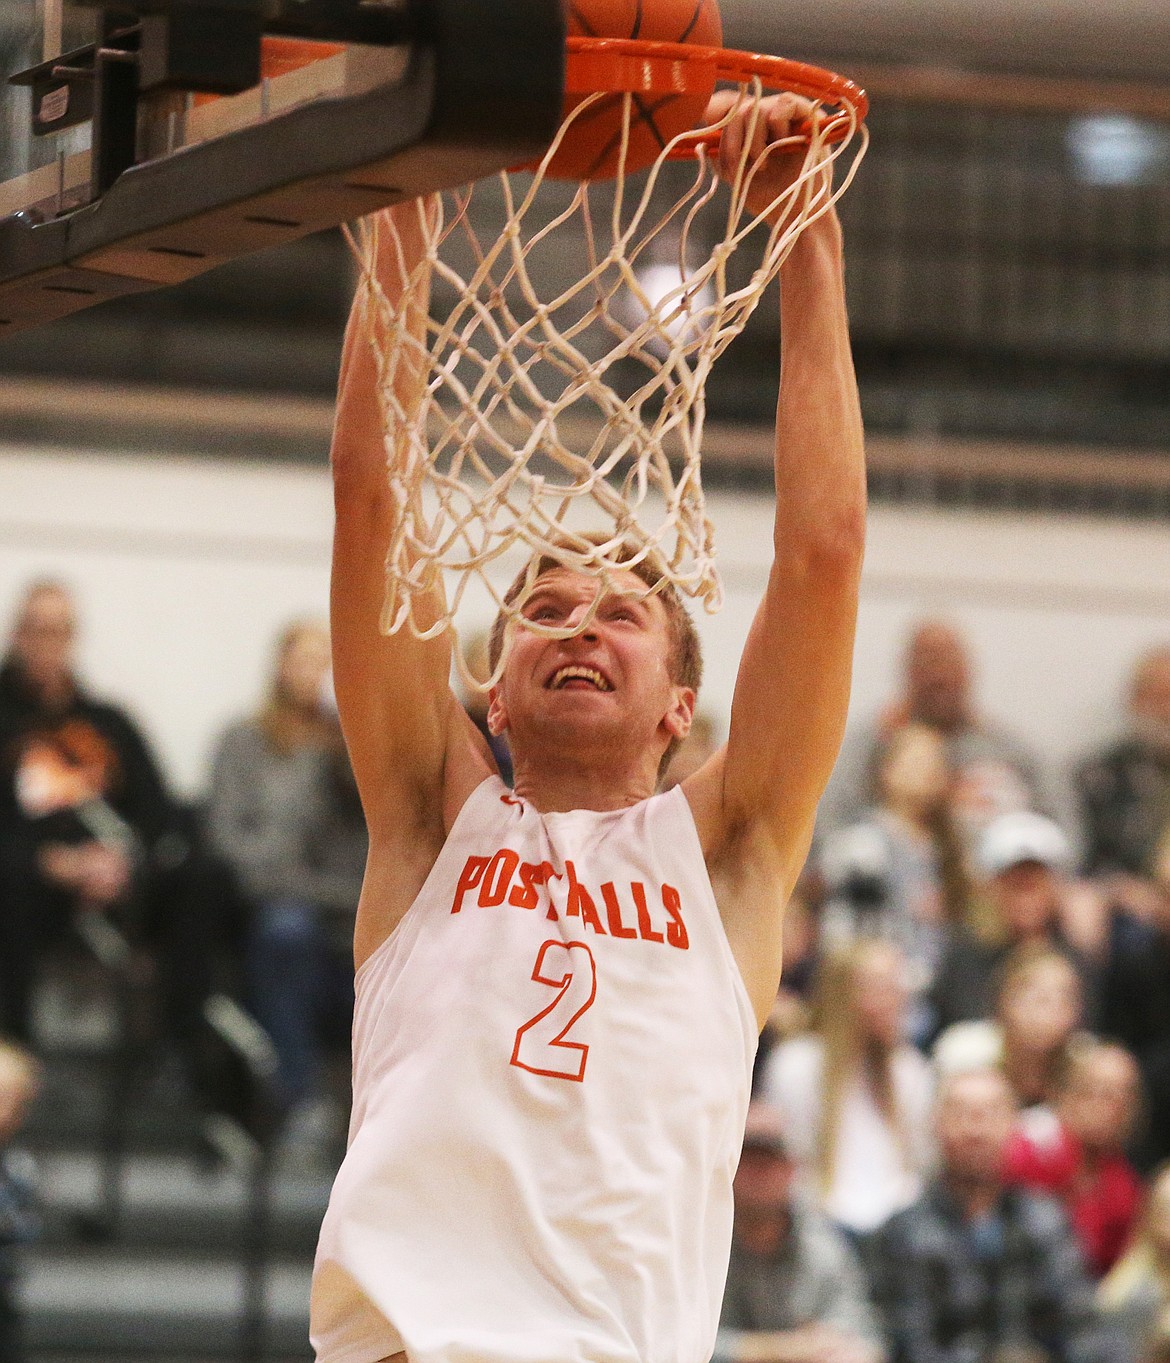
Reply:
x=1039, y=1009
x=855, y=1094
x=901, y=872
x=1136, y=1294
x=272, y=785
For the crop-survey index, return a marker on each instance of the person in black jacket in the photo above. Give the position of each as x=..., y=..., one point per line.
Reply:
x=1125, y=790
x=86, y=822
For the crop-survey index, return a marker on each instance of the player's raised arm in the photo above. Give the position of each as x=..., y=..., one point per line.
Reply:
x=393, y=693
x=792, y=692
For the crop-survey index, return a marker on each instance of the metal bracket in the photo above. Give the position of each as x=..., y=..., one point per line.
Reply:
x=482, y=90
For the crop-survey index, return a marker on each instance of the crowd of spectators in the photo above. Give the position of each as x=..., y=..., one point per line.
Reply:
x=964, y=1089
x=251, y=890
x=284, y=816
x=962, y=1100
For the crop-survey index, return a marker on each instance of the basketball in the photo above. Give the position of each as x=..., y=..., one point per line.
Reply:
x=592, y=145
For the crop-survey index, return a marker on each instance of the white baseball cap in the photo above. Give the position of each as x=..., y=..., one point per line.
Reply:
x=1024, y=836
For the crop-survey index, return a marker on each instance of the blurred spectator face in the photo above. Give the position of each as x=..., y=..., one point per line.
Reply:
x=938, y=677
x=43, y=639
x=1027, y=897
x=1100, y=1098
x=1040, y=1005
x=18, y=1087
x=302, y=666
x=763, y=1180
x=879, y=985
x=975, y=1116
x=1150, y=700
x=914, y=772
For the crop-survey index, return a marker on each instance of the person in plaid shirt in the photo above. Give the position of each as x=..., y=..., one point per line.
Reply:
x=976, y=1271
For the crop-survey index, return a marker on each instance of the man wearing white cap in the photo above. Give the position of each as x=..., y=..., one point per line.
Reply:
x=1022, y=839
x=1021, y=859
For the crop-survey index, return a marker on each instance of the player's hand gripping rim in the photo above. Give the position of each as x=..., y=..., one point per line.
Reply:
x=768, y=147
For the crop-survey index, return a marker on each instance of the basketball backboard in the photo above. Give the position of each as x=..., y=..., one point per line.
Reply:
x=141, y=149
x=25, y=30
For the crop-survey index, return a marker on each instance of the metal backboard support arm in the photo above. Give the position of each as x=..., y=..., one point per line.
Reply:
x=481, y=90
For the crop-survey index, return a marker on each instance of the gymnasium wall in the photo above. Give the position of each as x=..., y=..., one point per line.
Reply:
x=185, y=570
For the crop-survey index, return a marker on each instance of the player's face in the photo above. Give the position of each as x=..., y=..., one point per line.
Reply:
x=611, y=679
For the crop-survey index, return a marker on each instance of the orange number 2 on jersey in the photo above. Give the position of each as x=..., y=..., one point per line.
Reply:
x=541, y=1046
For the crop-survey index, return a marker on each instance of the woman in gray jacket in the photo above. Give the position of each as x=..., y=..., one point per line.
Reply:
x=277, y=801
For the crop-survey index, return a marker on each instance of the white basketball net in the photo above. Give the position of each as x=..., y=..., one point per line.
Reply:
x=539, y=396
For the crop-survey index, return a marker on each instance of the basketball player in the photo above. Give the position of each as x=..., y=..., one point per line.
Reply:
x=560, y=988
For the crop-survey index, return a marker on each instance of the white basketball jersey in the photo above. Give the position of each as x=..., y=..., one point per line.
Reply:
x=552, y=1062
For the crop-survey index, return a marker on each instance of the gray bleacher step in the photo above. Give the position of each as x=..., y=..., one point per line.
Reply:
x=73, y=1108
x=146, y=1306
x=119, y=1356
x=172, y=1202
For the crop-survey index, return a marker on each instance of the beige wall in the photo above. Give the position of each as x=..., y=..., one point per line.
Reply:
x=187, y=568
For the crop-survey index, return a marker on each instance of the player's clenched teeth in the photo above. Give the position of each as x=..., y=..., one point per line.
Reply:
x=576, y=672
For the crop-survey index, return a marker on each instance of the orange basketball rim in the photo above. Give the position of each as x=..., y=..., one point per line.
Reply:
x=560, y=397
x=642, y=67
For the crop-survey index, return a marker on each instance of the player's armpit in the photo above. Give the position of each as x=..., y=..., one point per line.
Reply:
x=406, y=839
